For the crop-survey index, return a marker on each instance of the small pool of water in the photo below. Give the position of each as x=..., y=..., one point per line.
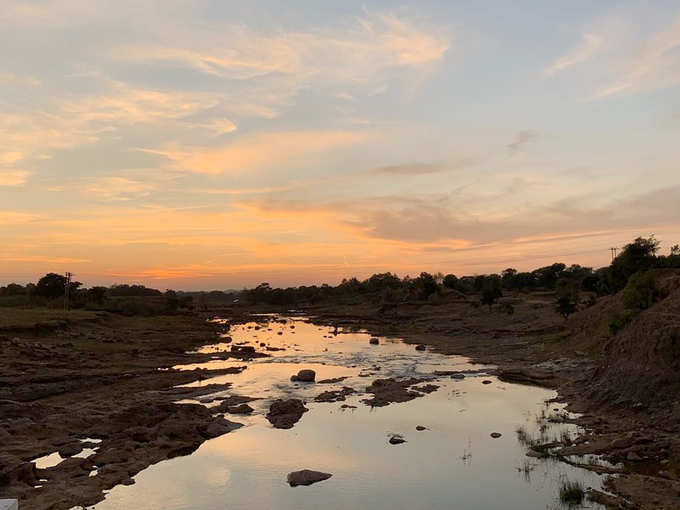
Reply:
x=454, y=463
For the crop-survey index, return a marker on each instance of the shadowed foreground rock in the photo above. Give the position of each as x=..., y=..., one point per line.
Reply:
x=306, y=477
x=283, y=414
x=304, y=376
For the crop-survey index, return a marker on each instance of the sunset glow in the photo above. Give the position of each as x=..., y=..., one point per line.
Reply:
x=210, y=144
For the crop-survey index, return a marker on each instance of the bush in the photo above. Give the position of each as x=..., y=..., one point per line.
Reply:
x=572, y=493
x=641, y=291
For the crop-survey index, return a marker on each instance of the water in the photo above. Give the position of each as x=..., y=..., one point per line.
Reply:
x=453, y=464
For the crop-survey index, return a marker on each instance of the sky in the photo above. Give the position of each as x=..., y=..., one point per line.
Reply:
x=210, y=144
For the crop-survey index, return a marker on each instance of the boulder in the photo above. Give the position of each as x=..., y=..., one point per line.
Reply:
x=240, y=409
x=306, y=477
x=70, y=449
x=304, y=376
x=220, y=426
x=283, y=414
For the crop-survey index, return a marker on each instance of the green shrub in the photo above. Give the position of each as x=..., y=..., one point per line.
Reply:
x=641, y=291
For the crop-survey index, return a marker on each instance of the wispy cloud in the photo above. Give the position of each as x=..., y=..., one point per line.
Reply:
x=653, y=64
x=521, y=139
x=258, y=151
x=590, y=45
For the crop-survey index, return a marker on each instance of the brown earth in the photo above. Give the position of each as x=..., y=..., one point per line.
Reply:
x=96, y=376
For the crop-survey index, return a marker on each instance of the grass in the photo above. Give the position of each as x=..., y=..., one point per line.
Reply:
x=25, y=318
x=572, y=493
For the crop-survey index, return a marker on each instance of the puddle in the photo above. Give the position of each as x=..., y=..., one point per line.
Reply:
x=454, y=463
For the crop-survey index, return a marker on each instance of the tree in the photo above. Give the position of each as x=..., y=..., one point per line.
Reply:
x=51, y=286
x=491, y=290
x=508, y=278
x=425, y=285
x=639, y=255
x=96, y=295
x=450, y=281
x=567, y=296
x=171, y=301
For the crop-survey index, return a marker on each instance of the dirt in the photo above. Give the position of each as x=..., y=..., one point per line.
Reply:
x=96, y=376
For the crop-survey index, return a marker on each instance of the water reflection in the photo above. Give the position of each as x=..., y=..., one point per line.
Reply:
x=454, y=463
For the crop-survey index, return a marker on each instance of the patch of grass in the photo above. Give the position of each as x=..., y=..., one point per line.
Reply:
x=26, y=318
x=572, y=493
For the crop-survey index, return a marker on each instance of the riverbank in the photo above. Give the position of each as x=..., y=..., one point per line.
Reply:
x=102, y=382
x=98, y=383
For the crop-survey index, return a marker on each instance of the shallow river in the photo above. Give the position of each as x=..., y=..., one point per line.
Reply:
x=453, y=464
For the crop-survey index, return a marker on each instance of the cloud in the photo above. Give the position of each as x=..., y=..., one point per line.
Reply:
x=652, y=64
x=360, y=53
x=521, y=139
x=13, y=177
x=589, y=47
x=258, y=151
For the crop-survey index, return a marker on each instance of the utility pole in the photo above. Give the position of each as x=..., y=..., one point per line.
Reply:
x=67, y=289
x=613, y=250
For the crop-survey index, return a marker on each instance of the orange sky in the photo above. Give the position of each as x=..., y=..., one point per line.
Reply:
x=218, y=144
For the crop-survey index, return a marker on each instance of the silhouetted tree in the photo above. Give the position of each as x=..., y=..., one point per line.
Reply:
x=491, y=290
x=450, y=281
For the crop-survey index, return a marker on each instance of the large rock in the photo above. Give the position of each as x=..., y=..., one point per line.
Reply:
x=221, y=426
x=283, y=414
x=306, y=477
x=240, y=409
x=304, y=376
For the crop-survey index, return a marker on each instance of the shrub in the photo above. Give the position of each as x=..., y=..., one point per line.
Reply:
x=641, y=291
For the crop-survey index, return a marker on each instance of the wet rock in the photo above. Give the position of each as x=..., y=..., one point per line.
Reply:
x=374, y=341
x=486, y=381
x=304, y=376
x=231, y=401
x=70, y=449
x=306, y=477
x=420, y=347
x=397, y=439
x=495, y=435
x=221, y=426
x=427, y=388
x=243, y=349
x=387, y=391
x=532, y=377
x=283, y=414
x=347, y=406
x=334, y=396
x=420, y=428
x=331, y=381
x=240, y=409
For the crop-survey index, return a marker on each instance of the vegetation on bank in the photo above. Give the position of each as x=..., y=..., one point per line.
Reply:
x=632, y=272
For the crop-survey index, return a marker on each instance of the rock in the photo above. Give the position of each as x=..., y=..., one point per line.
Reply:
x=127, y=481
x=240, y=409
x=306, y=477
x=374, y=341
x=621, y=443
x=283, y=414
x=633, y=457
x=304, y=376
x=420, y=347
x=347, y=406
x=331, y=381
x=495, y=435
x=70, y=449
x=397, y=439
x=486, y=381
x=458, y=376
x=334, y=396
x=243, y=349
x=420, y=428
x=13, y=470
x=220, y=427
